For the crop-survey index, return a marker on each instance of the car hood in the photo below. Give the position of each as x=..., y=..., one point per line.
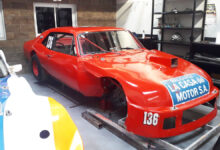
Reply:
x=143, y=70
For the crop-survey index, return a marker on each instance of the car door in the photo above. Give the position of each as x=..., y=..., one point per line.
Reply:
x=61, y=58
x=43, y=53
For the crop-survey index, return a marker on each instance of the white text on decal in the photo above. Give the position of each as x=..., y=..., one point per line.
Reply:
x=191, y=93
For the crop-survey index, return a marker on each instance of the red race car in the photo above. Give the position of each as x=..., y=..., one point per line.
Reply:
x=156, y=89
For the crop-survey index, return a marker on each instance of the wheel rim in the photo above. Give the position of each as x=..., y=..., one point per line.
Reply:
x=35, y=68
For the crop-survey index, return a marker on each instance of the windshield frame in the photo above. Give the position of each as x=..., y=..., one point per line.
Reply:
x=81, y=50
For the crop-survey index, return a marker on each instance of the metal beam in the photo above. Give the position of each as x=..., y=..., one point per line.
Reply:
x=92, y=120
x=203, y=138
x=121, y=132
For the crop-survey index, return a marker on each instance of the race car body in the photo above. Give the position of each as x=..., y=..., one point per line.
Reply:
x=28, y=121
x=157, y=88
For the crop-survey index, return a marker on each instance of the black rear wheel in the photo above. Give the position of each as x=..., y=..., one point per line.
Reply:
x=38, y=72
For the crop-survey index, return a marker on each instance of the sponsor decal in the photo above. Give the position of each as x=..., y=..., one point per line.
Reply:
x=4, y=94
x=1, y=109
x=186, y=88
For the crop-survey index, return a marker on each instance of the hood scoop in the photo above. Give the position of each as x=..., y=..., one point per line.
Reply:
x=168, y=62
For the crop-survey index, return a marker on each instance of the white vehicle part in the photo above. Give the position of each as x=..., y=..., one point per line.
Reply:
x=12, y=69
x=28, y=116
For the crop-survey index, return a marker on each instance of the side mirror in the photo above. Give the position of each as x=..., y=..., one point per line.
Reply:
x=15, y=68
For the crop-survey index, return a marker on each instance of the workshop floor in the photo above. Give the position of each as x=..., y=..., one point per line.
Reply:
x=99, y=139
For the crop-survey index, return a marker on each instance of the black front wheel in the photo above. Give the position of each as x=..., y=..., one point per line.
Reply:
x=116, y=97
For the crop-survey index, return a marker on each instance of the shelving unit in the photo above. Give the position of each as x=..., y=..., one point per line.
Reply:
x=178, y=28
x=179, y=12
x=183, y=43
x=186, y=18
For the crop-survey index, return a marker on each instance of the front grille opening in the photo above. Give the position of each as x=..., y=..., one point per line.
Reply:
x=169, y=123
x=197, y=112
x=210, y=103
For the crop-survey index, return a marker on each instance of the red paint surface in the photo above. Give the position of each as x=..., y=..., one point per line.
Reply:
x=35, y=68
x=140, y=73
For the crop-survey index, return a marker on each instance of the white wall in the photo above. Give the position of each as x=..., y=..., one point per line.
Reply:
x=135, y=15
x=211, y=21
x=218, y=21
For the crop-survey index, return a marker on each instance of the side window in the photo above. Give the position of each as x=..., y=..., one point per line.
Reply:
x=48, y=41
x=61, y=42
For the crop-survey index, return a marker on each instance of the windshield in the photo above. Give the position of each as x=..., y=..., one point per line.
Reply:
x=108, y=41
x=3, y=69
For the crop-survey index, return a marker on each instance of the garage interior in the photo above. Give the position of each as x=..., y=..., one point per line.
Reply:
x=189, y=30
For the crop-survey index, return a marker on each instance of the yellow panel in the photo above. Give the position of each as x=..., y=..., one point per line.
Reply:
x=63, y=126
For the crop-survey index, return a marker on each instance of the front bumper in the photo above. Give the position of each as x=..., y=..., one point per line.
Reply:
x=150, y=122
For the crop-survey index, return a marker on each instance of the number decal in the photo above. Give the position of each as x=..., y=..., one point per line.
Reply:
x=50, y=42
x=150, y=118
x=155, y=119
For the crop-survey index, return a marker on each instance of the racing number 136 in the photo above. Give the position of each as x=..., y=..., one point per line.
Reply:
x=151, y=118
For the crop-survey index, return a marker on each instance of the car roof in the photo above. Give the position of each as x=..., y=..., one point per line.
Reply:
x=83, y=29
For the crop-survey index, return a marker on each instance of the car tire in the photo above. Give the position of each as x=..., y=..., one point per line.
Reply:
x=117, y=98
x=38, y=72
x=217, y=145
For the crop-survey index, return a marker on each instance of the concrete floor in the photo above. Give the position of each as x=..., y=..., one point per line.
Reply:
x=93, y=138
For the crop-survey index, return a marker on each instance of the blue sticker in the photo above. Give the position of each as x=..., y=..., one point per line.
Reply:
x=4, y=94
x=186, y=88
